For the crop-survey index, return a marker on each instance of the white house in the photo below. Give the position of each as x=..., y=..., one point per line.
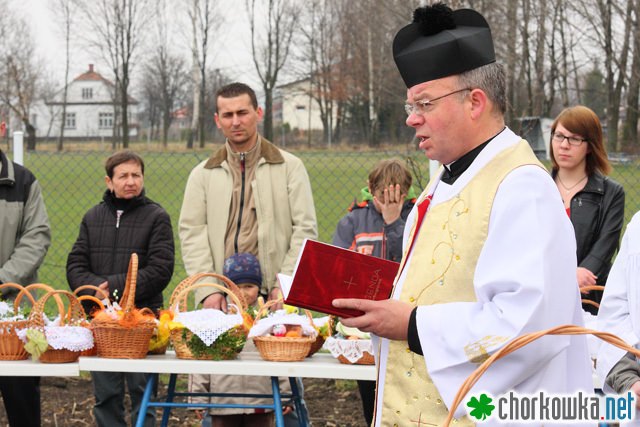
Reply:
x=293, y=104
x=90, y=110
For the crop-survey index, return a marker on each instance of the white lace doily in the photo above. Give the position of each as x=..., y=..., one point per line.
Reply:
x=74, y=338
x=280, y=317
x=352, y=350
x=208, y=324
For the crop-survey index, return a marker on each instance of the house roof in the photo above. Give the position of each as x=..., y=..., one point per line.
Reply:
x=92, y=75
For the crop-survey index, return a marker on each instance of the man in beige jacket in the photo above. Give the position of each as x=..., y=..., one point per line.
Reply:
x=249, y=196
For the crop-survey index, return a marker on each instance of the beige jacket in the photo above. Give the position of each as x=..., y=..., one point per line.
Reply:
x=284, y=207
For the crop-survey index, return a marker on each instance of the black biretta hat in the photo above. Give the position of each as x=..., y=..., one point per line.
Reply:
x=441, y=42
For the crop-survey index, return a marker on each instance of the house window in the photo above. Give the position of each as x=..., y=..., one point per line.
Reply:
x=300, y=107
x=87, y=93
x=105, y=120
x=70, y=121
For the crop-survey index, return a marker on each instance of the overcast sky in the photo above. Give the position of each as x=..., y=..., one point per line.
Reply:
x=230, y=53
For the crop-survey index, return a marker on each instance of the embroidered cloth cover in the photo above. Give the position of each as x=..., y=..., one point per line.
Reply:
x=352, y=350
x=208, y=324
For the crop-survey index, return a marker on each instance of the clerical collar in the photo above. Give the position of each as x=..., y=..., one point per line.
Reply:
x=454, y=170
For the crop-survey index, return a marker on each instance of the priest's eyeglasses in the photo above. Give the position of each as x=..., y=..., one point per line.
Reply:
x=573, y=140
x=422, y=106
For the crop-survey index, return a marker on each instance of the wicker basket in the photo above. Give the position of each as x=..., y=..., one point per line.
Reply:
x=520, y=342
x=73, y=317
x=115, y=341
x=282, y=349
x=12, y=347
x=181, y=337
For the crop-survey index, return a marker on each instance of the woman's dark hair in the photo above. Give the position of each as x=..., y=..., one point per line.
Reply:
x=122, y=157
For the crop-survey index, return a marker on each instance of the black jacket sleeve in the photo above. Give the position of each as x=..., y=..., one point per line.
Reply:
x=598, y=260
x=78, y=264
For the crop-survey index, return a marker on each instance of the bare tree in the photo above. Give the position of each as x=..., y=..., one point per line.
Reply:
x=270, y=49
x=116, y=29
x=64, y=11
x=20, y=74
x=630, y=127
x=204, y=18
x=165, y=75
x=605, y=19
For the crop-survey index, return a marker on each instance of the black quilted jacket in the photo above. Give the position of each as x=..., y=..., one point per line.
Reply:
x=106, y=242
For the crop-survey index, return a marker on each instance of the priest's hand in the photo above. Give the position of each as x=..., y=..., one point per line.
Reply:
x=387, y=318
x=635, y=388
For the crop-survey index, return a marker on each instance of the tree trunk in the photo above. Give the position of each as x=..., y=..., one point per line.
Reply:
x=31, y=135
x=268, y=116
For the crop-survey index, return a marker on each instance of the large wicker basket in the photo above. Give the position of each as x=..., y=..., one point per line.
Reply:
x=520, y=342
x=12, y=347
x=125, y=337
x=73, y=317
x=282, y=349
x=179, y=299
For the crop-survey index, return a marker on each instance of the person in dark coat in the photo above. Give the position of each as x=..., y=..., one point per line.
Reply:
x=593, y=201
x=125, y=222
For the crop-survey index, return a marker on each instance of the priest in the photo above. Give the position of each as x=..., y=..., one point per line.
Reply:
x=489, y=252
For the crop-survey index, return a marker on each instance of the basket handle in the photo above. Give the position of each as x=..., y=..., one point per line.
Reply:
x=92, y=299
x=182, y=296
x=273, y=302
x=520, y=342
x=178, y=296
x=591, y=288
x=27, y=291
x=20, y=288
x=129, y=295
x=75, y=313
x=105, y=294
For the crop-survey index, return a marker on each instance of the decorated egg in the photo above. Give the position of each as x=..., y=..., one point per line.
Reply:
x=279, y=330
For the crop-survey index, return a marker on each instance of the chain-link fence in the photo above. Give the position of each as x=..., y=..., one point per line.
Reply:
x=73, y=181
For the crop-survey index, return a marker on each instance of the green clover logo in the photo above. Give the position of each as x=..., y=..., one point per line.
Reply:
x=482, y=408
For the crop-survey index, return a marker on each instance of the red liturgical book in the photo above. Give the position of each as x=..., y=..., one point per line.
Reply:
x=326, y=272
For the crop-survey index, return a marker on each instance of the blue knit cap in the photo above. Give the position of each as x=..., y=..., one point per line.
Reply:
x=243, y=268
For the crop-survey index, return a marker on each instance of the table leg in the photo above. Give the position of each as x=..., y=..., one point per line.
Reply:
x=171, y=390
x=277, y=401
x=145, y=400
x=297, y=401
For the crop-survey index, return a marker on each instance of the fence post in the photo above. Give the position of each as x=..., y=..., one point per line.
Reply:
x=18, y=148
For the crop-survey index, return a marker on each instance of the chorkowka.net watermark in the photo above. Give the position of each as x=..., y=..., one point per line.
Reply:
x=543, y=407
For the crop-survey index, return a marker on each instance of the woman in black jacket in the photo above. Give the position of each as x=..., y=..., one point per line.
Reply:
x=594, y=202
x=123, y=223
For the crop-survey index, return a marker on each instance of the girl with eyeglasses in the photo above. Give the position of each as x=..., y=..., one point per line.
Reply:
x=593, y=201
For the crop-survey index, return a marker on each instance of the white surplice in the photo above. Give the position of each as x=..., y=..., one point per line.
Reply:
x=620, y=306
x=524, y=281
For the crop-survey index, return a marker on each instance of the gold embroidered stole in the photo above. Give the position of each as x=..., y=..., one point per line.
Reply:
x=441, y=270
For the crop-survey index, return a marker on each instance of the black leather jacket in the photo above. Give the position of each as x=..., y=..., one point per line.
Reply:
x=597, y=215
